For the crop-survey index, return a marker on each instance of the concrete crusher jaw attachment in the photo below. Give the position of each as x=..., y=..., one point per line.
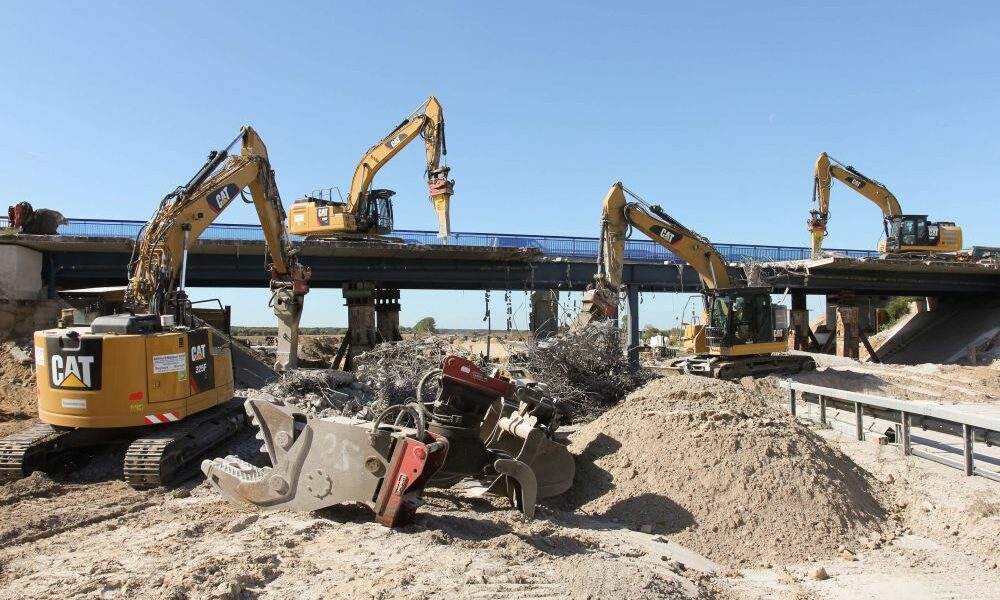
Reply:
x=323, y=462
x=494, y=428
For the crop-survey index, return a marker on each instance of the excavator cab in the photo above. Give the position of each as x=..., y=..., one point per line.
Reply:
x=744, y=321
x=319, y=211
x=907, y=233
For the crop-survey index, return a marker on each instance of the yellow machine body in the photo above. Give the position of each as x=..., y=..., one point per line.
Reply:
x=306, y=217
x=102, y=380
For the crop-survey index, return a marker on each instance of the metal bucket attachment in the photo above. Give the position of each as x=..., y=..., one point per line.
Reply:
x=551, y=463
x=322, y=462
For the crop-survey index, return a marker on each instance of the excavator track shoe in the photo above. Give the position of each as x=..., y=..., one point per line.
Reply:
x=172, y=451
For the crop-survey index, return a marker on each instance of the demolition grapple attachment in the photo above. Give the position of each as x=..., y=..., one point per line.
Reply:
x=322, y=462
x=501, y=428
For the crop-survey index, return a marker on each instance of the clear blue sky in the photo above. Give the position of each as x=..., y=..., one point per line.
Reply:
x=717, y=111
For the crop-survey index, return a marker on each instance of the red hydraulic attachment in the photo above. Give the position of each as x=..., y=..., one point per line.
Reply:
x=468, y=373
x=19, y=214
x=412, y=466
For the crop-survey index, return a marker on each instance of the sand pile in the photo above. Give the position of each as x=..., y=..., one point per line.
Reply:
x=719, y=468
x=17, y=387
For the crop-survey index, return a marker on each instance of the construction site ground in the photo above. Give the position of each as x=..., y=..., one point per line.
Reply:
x=690, y=488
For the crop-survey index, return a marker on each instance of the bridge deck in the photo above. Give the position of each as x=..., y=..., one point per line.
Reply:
x=235, y=256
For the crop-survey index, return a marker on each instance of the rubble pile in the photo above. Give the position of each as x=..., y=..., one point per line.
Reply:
x=319, y=392
x=393, y=370
x=585, y=368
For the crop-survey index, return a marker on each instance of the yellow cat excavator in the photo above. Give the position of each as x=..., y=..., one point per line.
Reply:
x=904, y=234
x=156, y=376
x=742, y=331
x=367, y=211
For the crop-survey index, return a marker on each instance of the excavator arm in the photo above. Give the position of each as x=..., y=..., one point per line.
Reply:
x=618, y=213
x=316, y=217
x=828, y=169
x=158, y=266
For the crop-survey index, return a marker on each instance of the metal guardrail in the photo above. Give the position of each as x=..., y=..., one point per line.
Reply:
x=550, y=245
x=906, y=415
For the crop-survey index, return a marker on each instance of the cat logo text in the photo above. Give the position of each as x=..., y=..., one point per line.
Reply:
x=71, y=371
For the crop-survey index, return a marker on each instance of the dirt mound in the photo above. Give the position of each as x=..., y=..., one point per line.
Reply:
x=17, y=388
x=719, y=468
x=318, y=350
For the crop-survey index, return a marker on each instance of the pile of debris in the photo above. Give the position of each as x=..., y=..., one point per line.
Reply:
x=585, y=368
x=393, y=370
x=319, y=392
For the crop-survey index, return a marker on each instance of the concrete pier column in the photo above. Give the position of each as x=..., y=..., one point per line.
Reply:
x=634, y=341
x=359, y=299
x=20, y=273
x=800, y=322
x=387, y=309
x=848, y=340
x=544, y=319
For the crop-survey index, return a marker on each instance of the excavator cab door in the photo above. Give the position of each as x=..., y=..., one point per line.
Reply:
x=740, y=317
x=911, y=230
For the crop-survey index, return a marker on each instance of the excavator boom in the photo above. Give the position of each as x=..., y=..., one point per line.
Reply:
x=617, y=215
x=155, y=376
x=158, y=267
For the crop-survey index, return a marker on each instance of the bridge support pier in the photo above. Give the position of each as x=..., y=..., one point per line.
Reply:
x=800, y=321
x=387, y=309
x=544, y=320
x=848, y=340
x=634, y=341
x=358, y=297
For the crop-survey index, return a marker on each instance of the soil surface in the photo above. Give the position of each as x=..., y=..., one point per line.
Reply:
x=690, y=488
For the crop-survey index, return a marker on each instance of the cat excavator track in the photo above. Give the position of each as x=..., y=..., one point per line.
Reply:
x=19, y=451
x=165, y=455
x=174, y=450
x=753, y=366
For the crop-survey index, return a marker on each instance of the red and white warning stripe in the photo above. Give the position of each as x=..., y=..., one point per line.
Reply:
x=162, y=418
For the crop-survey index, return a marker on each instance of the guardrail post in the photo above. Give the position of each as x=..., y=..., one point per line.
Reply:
x=904, y=421
x=791, y=401
x=822, y=410
x=859, y=421
x=967, y=449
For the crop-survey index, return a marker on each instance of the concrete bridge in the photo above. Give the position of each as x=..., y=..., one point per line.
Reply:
x=93, y=253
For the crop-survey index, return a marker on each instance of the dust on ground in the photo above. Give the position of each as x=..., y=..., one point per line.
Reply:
x=700, y=465
x=188, y=543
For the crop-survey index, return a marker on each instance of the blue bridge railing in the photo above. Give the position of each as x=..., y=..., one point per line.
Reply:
x=550, y=245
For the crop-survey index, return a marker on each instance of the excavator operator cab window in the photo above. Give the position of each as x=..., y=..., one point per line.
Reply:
x=739, y=319
x=910, y=230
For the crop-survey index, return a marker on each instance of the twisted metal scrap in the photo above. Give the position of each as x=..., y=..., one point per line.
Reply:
x=585, y=368
x=320, y=392
x=393, y=369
